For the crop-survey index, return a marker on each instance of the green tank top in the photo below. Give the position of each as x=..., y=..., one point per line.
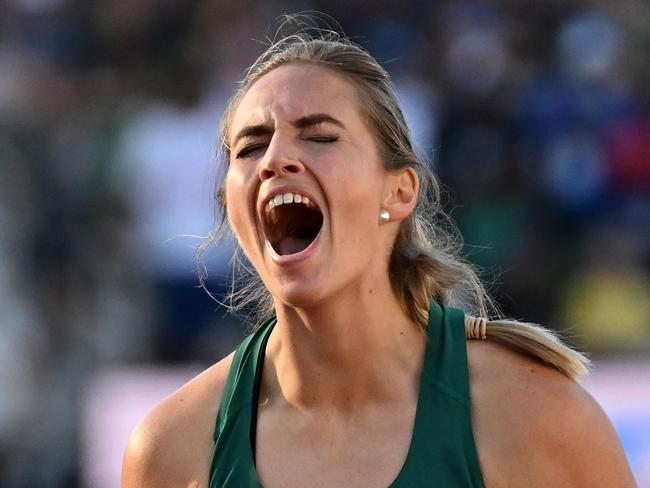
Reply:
x=442, y=452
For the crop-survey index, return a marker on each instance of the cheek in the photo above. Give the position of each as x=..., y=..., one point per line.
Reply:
x=237, y=198
x=358, y=205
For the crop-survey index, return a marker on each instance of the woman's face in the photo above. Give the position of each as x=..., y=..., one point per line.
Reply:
x=304, y=186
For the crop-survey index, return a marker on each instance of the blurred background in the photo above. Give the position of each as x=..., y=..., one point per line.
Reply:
x=536, y=115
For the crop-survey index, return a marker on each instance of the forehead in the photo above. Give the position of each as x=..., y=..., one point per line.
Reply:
x=293, y=91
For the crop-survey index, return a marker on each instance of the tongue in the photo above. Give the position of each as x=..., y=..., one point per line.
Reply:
x=292, y=245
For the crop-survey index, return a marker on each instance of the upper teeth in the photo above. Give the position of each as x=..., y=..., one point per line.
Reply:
x=281, y=199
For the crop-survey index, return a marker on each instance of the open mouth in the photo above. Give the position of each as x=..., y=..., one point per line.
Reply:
x=291, y=223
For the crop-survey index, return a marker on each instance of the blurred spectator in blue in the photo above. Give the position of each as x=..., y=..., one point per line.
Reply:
x=568, y=108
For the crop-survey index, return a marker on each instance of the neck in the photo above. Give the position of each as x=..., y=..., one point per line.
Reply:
x=353, y=350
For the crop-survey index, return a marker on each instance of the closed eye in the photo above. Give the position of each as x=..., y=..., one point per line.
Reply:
x=323, y=139
x=248, y=151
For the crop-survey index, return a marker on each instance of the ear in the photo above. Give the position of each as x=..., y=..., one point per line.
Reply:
x=401, y=193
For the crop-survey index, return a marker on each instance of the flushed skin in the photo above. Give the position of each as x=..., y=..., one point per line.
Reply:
x=343, y=362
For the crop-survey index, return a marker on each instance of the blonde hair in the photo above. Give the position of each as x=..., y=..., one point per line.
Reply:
x=426, y=261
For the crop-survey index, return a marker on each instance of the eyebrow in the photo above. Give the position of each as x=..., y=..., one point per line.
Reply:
x=301, y=123
x=315, y=119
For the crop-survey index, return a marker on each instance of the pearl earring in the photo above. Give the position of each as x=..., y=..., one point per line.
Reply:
x=384, y=216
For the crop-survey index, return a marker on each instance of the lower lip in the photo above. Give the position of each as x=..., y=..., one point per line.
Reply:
x=296, y=257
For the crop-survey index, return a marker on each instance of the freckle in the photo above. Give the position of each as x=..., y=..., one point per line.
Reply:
x=370, y=291
x=532, y=370
x=401, y=332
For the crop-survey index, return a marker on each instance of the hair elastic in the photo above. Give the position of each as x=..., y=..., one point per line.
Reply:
x=475, y=327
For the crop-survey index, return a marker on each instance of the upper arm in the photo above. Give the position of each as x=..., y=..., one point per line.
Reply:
x=172, y=445
x=586, y=444
x=535, y=427
x=147, y=455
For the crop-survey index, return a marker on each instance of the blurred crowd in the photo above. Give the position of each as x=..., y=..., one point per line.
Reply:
x=536, y=116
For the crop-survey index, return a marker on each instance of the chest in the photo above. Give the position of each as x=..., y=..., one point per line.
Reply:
x=309, y=449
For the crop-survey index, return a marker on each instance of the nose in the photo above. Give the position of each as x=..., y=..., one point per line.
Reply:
x=280, y=159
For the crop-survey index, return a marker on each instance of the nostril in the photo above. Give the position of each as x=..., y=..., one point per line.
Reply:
x=265, y=174
x=277, y=167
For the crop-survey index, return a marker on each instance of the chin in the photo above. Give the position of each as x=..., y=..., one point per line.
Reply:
x=299, y=295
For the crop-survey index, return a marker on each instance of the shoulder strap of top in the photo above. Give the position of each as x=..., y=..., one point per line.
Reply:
x=240, y=384
x=232, y=464
x=447, y=358
x=443, y=448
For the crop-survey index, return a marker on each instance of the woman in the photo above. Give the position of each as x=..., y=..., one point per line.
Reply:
x=366, y=377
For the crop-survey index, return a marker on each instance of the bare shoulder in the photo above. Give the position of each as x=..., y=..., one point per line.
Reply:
x=535, y=426
x=172, y=444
